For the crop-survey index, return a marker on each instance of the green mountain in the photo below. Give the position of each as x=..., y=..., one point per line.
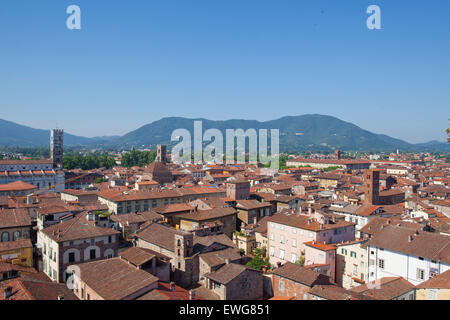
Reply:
x=312, y=132
x=297, y=133
x=16, y=135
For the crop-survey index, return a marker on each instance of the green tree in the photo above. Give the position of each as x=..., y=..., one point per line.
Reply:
x=300, y=261
x=138, y=158
x=258, y=261
x=88, y=162
x=448, y=133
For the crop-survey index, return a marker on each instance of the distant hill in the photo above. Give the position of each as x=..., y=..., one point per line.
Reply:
x=16, y=135
x=311, y=132
x=297, y=133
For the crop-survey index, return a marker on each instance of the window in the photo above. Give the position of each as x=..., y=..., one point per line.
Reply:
x=109, y=239
x=72, y=257
x=344, y=252
x=294, y=258
x=381, y=263
x=294, y=242
x=432, y=294
x=272, y=251
x=294, y=230
x=16, y=235
x=272, y=236
x=353, y=254
x=281, y=285
x=92, y=254
x=282, y=239
x=420, y=274
x=281, y=254
x=310, y=234
x=5, y=236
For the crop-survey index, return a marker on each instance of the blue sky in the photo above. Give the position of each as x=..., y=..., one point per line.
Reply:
x=134, y=62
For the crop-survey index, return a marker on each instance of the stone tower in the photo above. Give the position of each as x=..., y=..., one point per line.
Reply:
x=372, y=186
x=337, y=154
x=185, y=263
x=56, y=147
x=161, y=153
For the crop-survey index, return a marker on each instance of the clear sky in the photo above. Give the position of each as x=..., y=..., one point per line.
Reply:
x=136, y=61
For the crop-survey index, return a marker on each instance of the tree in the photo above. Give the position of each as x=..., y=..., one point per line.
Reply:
x=300, y=261
x=88, y=162
x=258, y=261
x=448, y=133
x=138, y=158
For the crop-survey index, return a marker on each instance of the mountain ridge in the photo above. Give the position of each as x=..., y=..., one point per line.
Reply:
x=309, y=132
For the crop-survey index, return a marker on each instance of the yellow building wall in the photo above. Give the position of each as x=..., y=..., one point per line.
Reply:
x=24, y=256
x=443, y=294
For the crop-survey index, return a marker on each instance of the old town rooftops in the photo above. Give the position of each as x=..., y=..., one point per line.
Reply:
x=441, y=281
x=17, y=186
x=132, y=195
x=387, y=288
x=251, y=204
x=301, y=274
x=228, y=272
x=75, y=229
x=305, y=222
x=115, y=279
x=10, y=218
x=320, y=245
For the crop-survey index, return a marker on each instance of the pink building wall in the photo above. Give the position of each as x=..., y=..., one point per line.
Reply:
x=299, y=238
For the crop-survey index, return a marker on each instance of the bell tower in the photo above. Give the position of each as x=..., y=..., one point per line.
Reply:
x=56, y=147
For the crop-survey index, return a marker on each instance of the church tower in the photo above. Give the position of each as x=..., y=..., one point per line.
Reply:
x=56, y=147
x=161, y=153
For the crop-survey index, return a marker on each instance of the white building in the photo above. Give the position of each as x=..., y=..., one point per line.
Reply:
x=39, y=173
x=414, y=256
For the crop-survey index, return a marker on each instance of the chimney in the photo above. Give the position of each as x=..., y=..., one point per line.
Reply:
x=61, y=297
x=191, y=295
x=172, y=286
x=309, y=210
x=410, y=238
x=227, y=261
x=7, y=292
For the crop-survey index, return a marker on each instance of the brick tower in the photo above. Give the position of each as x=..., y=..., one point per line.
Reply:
x=372, y=184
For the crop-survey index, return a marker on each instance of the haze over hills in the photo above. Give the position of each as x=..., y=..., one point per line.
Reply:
x=297, y=133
